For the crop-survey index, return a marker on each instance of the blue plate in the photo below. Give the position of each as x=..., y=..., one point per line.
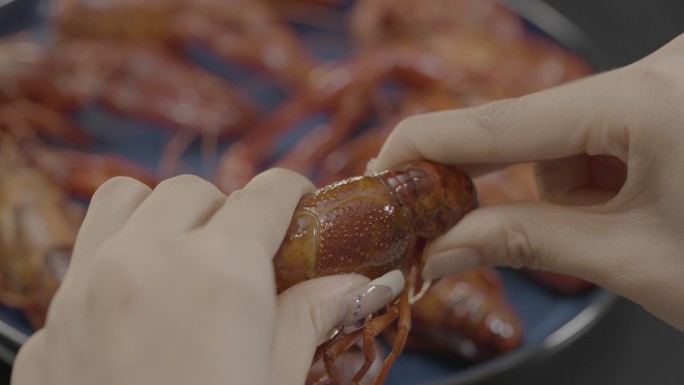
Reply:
x=551, y=321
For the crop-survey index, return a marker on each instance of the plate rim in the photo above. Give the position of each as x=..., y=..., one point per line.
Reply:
x=562, y=337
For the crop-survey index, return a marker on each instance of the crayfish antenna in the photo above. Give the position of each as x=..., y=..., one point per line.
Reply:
x=172, y=153
x=424, y=287
x=411, y=283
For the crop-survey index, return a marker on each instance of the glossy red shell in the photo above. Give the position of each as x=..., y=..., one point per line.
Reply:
x=371, y=224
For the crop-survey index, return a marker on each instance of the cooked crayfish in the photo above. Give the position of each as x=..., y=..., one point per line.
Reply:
x=350, y=91
x=467, y=314
x=371, y=225
x=474, y=51
x=27, y=124
x=80, y=173
x=245, y=31
x=351, y=157
x=38, y=221
x=132, y=80
x=348, y=363
x=483, y=38
x=39, y=226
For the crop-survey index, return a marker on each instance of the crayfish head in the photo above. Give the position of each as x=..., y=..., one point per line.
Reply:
x=435, y=196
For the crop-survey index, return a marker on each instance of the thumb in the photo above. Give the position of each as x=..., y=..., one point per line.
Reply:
x=536, y=235
x=307, y=312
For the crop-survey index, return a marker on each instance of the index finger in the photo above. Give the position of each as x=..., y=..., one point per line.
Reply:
x=587, y=116
x=261, y=212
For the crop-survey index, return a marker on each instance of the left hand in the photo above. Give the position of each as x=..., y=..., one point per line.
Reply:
x=176, y=286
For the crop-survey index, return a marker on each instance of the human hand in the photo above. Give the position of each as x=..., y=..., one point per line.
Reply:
x=176, y=286
x=610, y=160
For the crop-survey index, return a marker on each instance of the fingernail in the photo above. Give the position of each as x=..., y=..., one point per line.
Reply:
x=372, y=297
x=450, y=262
x=370, y=167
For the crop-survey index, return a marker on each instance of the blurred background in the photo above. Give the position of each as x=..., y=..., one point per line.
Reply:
x=626, y=346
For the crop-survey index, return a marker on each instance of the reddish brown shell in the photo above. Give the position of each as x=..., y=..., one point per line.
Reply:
x=39, y=227
x=371, y=224
x=348, y=365
x=467, y=314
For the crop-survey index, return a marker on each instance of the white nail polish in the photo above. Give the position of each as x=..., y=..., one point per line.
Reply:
x=373, y=296
x=394, y=280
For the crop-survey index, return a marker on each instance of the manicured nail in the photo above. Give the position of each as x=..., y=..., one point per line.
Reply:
x=450, y=262
x=372, y=297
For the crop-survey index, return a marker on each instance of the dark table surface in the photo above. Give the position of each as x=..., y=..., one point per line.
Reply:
x=628, y=346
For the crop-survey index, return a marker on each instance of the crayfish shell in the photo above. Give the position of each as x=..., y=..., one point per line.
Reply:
x=467, y=314
x=370, y=225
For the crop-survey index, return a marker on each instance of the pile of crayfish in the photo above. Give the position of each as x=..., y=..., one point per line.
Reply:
x=339, y=74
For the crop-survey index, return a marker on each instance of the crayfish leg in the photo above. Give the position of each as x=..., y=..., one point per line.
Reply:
x=402, y=310
x=370, y=331
x=332, y=349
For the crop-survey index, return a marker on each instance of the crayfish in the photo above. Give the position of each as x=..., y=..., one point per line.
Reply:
x=370, y=225
x=247, y=32
x=38, y=219
x=38, y=229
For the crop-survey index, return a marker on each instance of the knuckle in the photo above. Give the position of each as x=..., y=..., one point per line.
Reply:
x=117, y=185
x=273, y=180
x=316, y=318
x=262, y=186
x=191, y=184
x=494, y=120
x=183, y=180
x=274, y=192
x=255, y=198
x=518, y=250
x=309, y=314
x=491, y=117
x=278, y=172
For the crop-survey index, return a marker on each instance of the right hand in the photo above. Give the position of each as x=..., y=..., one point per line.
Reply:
x=610, y=153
